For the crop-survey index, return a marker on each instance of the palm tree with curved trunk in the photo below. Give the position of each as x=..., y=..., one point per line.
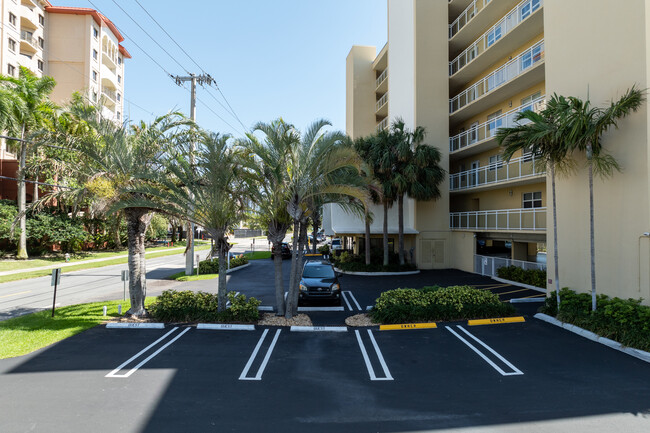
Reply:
x=543, y=135
x=267, y=175
x=320, y=164
x=586, y=126
x=417, y=174
x=24, y=108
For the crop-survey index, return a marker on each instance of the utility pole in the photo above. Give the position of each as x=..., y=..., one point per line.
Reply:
x=201, y=79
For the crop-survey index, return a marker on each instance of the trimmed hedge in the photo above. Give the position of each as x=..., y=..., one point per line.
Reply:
x=357, y=263
x=212, y=266
x=188, y=306
x=438, y=303
x=622, y=320
x=532, y=277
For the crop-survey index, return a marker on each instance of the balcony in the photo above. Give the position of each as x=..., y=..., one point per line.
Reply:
x=519, y=73
x=384, y=124
x=480, y=137
x=28, y=42
x=523, y=12
x=381, y=83
x=465, y=16
x=518, y=220
x=28, y=18
x=457, y=6
x=381, y=107
x=496, y=175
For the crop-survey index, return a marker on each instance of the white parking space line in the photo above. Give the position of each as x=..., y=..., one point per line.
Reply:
x=515, y=370
x=114, y=374
x=301, y=309
x=353, y=300
x=345, y=298
x=228, y=302
x=260, y=371
x=366, y=358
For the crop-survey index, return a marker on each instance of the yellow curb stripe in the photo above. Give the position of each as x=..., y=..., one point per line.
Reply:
x=496, y=320
x=513, y=291
x=15, y=294
x=541, y=295
x=407, y=326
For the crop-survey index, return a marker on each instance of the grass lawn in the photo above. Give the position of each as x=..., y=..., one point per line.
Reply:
x=25, y=334
x=180, y=276
x=151, y=253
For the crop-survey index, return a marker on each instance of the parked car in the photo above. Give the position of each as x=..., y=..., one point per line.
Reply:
x=285, y=251
x=319, y=282
x=336, y=245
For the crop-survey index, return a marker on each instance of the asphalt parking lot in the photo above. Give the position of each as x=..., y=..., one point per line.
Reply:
x=528, y=376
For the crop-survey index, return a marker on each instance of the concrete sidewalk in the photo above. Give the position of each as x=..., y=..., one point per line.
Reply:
x=81, y=262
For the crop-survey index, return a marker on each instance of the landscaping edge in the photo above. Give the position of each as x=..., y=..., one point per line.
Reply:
x=515, y=283
x=376, y=274
x=238, y=268
x=637, y=353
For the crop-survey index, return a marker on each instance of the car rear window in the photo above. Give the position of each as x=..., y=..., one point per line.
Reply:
x=318, y=271
x=336, y=242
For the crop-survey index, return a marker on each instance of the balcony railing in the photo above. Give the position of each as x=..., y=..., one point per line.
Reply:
x=522, y=11
x=500, y=171
x=383, y=100
x=381, y=78
x=110, y=93
x=29, y=38
x=533, y=219
x=466, y=16
x=382, y=125
x=501, y=76
x=489, y=129
x=488, y=265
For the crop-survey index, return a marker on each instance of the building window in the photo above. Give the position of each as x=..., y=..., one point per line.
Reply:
x=119, y=97
x=528, y=8
x=527, y=102
x=473, y=132
x=95, y=54
x=532, y=200
x=11, y=70
x=119, y=78
x=531, y=57
x=495, y=162
x=41, y=19
x=118, y=115
x=94, y=96
x=119, y=60
x=12, y=19
x=40, y=65
x=41, y=42
x=12, y=45
x=95, y=33
x=95, y=76
x=494, y=122
x=494, y=35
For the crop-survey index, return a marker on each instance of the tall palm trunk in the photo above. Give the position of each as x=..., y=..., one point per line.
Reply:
x=367, y=238
x=222, y=253
x=385, y=241
x=276, y=233
x=294, y=265
x=400, y=219
x=316, y=222
x=22, y=200
x=136, y=223
x=555, y=253
x=591, y=227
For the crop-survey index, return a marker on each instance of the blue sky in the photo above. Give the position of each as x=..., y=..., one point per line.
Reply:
x=271, y=58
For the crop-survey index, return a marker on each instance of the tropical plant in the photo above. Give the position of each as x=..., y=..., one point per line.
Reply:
x=585, y=128
x=24, y=108
x=543, y=135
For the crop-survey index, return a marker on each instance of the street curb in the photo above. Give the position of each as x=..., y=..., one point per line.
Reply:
x=637, y=353
x=526, y=300
x=238, y=268
x=225, y=327
x=319, y=328
x=376, y=274
x=132, y=325
x=514, y=283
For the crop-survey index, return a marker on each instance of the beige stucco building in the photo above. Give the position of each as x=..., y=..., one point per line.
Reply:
x=463, y=69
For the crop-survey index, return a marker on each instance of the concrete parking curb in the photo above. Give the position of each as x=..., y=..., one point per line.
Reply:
x=238, y=268
x=129, y=325
x=637, y=353
x=377, y=274
x=514, y=283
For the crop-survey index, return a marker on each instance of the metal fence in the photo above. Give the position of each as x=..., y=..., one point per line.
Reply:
x=488, y=265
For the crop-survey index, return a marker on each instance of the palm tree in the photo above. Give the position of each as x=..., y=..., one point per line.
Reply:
x=319, y=164
x=418, y=173
x=24, y=108
x=586, y=126
x=268, y=178
x=543, y=136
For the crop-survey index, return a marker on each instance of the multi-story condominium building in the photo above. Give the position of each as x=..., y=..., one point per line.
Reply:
x=464, y=68
x=79, y=47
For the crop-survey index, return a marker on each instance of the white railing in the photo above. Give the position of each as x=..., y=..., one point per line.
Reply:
x=489, y=129
x=533, y=219
x=383, y=100
x=465, y=16
x=382, y=125
x=488, y=265
x=110, y=93
x=515, y=17
x=498, y=78
x=381, y=78
x=500, y=171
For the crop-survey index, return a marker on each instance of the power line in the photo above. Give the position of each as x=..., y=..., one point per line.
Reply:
x=231, y=111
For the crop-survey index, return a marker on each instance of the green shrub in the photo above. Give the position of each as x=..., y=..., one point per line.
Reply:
x=622, y=320
x=188, y=306
x=324, y=249
x=532, y=277
x=438, y=303
x=349, y=262
x=211, y=266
